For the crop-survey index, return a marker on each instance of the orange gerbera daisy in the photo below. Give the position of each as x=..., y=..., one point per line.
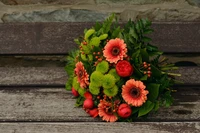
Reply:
x=106, y=111
x=83, y=77
x=115, y=50
x=134, y=93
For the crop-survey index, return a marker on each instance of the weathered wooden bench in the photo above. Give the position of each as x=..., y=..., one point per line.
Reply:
x=32, y=78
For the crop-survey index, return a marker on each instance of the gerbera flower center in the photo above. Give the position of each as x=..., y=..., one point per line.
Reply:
x=115, y=51
x=80, y=74
x=134, y=92
x=109, y=110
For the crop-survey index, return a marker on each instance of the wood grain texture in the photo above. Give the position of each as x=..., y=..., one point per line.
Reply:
x=32, y=76
x=99, y=127
x=54, y=38
x=11, y=76
x=57, y=104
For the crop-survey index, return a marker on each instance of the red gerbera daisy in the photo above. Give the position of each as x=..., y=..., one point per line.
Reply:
x=134, y=93
x=83, y=77
x=115, y=50
x=106, y=111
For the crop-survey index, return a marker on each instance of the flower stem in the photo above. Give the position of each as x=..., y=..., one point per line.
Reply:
x=172, y=74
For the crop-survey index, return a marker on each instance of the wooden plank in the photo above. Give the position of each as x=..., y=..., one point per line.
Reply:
x=97, y=127
x=176, y=37
x=53, y=38
x=18, y=76
x=32, y=76
x=57, y=104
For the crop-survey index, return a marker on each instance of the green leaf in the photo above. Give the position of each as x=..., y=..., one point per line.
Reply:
x=155, y=71
x=145, y=55
x=146, y=22
x=153, y=91
x=132, y=40
x=157, y=105
x=146, y=108
x=151, y=47
x=146, y=39
x=79, y=101
x=137, y=26
x=107, y=23
x=116, y=32
x=68, y=85
x=134, y=110
x=144, y=78
x=69, y=68
x=147, y=31
x=137, y=72
x=168, y=99
x=97, y=26
x=155, y=53
x=77, y=41
x=133, y=33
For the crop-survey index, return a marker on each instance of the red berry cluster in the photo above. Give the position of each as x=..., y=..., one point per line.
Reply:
x=98, y=56
x=147, y=68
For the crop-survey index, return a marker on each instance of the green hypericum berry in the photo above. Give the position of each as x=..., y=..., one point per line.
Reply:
x=102, y=67
x=108, y=81
x=81, y=91
x=96, y=78
x=75, y=83
x=111, y=92
x=94, y=89
x=95, y=41
x=114, y=73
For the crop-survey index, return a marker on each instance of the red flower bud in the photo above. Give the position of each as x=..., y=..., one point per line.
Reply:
x=88, y=104
x=88, y=95
x=74, y=92
x=124, y=110
x=93, y=112
x=124, y=68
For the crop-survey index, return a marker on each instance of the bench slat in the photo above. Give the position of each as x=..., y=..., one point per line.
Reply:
x=57, y=104
x=19, y=76
x=32, y=76
x=139, y=127
x=57, y=38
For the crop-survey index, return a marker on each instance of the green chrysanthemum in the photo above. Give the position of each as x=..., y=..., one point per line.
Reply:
x=81, y=91
x=108, y=81
x=90, y=57
x=83, y=57
x=102, y=67
x=114, y=73
x=111, y=92
x=75, y=83
x=86, y=49
x=96, y=78
x=87, y=57
x=95, y=41
x=94, y=89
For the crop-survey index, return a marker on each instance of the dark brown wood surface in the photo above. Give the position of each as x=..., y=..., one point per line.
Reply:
x=57, y=38
x=32, y=93
x=57, y=104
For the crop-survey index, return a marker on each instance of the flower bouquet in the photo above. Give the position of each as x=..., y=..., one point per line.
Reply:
x=117, y=74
